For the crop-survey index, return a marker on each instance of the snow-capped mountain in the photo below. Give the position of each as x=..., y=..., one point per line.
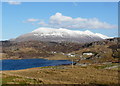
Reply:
x=61, y=34
x=102, y=36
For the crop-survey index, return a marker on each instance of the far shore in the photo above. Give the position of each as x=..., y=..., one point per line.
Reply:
x=48, y=58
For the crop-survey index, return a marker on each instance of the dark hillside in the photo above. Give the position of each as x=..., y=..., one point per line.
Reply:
x=108, y=48
x=30, y=49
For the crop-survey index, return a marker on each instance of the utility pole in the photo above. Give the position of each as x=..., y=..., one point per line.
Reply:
x=72, y=63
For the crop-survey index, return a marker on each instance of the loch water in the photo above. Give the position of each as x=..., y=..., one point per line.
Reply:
x=18, y=64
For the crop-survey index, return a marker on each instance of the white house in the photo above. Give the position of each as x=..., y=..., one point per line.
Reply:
x=70, y=55
x=88, y=53
x=53, y=52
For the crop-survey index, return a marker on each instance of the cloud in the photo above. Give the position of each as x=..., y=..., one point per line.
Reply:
x=32, y=20
x=14, y=2
x=60, y=21
x=43, y=23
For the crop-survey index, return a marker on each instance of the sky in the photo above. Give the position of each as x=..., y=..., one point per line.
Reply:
x=22, y=17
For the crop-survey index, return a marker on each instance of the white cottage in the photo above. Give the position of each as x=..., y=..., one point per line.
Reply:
x=71, y=55
x=88, y=53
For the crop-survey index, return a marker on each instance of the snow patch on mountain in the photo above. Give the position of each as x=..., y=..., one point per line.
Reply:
x=62, y=32
x=102, y=36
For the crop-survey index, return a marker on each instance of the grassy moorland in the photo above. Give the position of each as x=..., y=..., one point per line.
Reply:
x=93, y=74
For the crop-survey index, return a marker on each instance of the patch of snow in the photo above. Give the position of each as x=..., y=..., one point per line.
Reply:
x=61, y=32
x=102, y=36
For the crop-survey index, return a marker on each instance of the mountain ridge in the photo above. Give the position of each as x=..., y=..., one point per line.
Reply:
x=61, y=34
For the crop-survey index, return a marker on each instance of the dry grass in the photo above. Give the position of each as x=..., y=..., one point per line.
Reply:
x=57, y=56
x=76, y=75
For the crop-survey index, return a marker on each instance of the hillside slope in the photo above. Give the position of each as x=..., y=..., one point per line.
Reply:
x=107, y=50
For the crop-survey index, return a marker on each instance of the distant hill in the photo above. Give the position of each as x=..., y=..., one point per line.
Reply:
x=60, y=35
x=29, y=49
x=107, y=49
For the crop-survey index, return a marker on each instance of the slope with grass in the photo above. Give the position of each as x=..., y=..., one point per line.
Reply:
x=66, y=75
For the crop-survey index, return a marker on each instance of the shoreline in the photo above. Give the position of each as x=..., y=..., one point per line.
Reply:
x=43, y=67
x=48, y=58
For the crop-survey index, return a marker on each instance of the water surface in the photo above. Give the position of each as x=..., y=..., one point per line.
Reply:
x=30, y=63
